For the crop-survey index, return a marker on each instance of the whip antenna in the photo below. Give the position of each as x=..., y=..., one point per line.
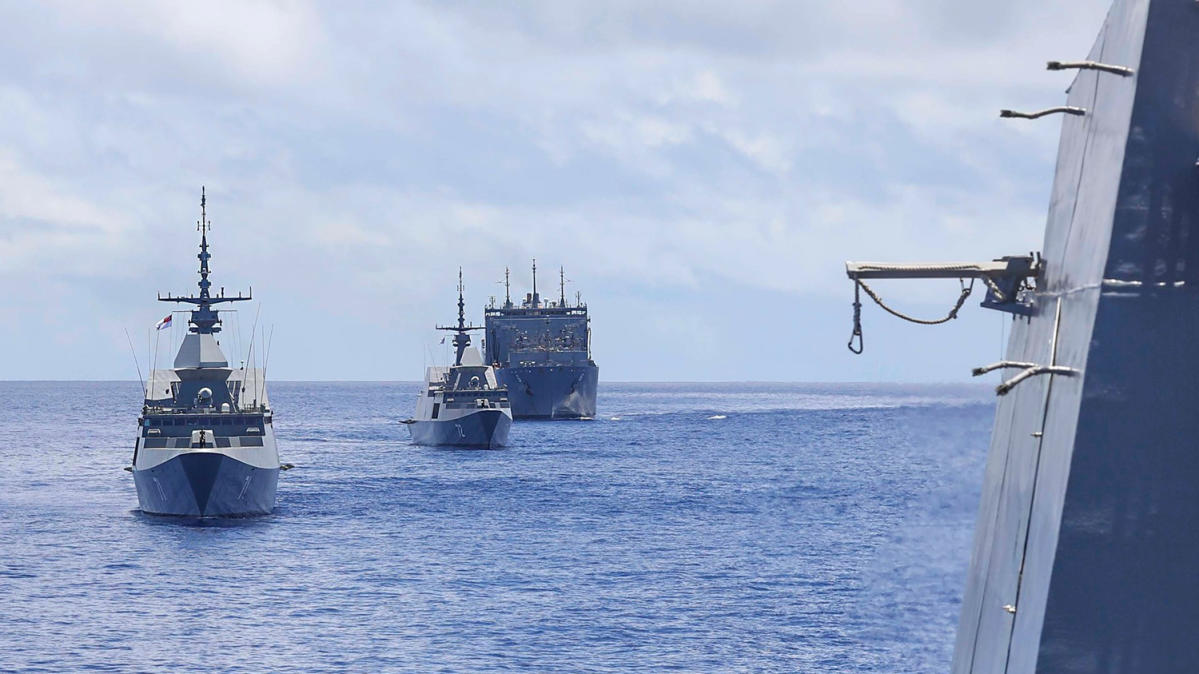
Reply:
x=141, y=380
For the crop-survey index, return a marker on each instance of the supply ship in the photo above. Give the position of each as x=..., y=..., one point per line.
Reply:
x=1086, y=554
x=541, y=352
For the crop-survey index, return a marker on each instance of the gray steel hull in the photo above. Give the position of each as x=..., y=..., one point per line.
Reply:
x=484, y=429
x=551, y=392
x=1085, y=553
x=206, y=484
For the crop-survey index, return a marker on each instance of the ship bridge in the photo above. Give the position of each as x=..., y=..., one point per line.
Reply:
x=537, y=332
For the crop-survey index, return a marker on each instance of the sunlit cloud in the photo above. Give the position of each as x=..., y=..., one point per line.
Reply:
x=356, y=154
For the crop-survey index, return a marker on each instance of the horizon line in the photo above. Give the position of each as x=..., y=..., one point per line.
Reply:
x=970, y=382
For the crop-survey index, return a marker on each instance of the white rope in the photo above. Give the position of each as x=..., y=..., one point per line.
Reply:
x=1007, y=386
x=980, y=371
x=1122, y=71
x=1064, y=109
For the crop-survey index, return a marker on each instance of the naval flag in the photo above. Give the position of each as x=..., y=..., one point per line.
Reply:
x=164, y=323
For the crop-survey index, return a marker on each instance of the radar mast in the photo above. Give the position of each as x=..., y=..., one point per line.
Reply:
x=204, y=319
x=462, y=330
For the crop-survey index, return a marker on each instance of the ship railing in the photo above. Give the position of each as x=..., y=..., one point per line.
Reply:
x=486, y=392
x=467, y=402
x=206, y=411
x=575, y=310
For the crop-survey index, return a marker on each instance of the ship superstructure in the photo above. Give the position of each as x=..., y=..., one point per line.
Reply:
x=542, y=352
x=206, y=441
x=462, y=405
x=1085, y=552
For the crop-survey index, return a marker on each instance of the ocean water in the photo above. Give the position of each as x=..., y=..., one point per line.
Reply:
x=690, y=527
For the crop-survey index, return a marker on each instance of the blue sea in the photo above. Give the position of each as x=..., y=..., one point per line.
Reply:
x=690, y=527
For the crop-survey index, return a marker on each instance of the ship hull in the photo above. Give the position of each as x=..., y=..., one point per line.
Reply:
x=551, y=392
x=484, y=429
x=1084, y=557
x=206, y=484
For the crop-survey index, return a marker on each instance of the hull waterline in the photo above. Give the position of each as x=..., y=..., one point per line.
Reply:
x=554, y=392
x=206, y=484
x=485, y=429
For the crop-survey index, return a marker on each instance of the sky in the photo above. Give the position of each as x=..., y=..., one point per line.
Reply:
x=702, y=170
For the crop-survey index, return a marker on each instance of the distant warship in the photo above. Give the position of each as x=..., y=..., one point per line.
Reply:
x=462, y=405
x=542, y=352
x=206, y=445
x=1086, y=555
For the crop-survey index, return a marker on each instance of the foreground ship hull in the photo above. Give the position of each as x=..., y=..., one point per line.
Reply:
x=551, y=392
x=1085, y=554
x=486, y=429
x=205, y=443
x=206, y=484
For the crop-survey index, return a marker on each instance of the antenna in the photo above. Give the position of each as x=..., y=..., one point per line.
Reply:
x=507, y=288
x=461, y=302
x=258, y=383
x=462, y=339
x=536, y=298
x=203, y=225
x=141, y=380
x=204, y=319
x=266, y=361
x=249, y=364
x=562, y=286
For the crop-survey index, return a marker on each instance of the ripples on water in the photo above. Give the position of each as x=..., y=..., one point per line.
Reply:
x=690, y=527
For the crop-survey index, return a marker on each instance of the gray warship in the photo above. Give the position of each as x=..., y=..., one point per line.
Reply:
x=206, y=443
x=462, y=405
x=1086, y=554
x=541, y=352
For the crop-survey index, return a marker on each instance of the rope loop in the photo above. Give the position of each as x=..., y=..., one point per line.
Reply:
x=953, y=313
x=857, y=324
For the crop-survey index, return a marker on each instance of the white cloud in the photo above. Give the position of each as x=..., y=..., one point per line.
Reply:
x=357, y=154
x=31, y=197
x=47, y=231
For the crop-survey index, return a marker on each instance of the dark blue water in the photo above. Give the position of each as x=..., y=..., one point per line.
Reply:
x=710, y=528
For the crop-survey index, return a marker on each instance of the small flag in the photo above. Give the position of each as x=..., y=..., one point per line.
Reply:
x=164, y=323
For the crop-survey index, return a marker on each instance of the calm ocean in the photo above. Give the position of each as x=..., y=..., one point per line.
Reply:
x=690, y=527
